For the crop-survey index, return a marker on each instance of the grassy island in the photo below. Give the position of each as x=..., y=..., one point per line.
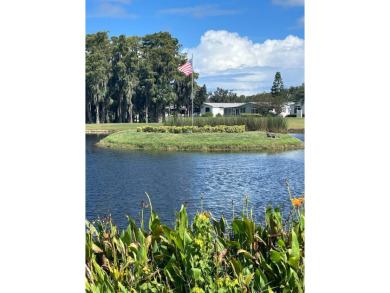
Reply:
x=247, y=141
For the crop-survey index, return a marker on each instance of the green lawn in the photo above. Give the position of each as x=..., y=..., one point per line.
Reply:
x=114, y=127
x=295, y=123
x=247, y=141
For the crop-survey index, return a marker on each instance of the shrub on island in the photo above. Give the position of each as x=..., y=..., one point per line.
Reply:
x=193, y=129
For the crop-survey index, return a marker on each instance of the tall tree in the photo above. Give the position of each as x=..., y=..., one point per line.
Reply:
x=145, y=90
x=162, y=53
x=97, y=57
x=277, y=86
x=124, y=75
x=201, y=96
x=278, y=93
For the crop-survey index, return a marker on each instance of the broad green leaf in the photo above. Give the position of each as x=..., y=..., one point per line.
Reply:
x=142, y=255
x=222, y=225
x=96, y=249
x=238, y=226
x=133, y=247
x=246, y=254
x=148, y=241
x=155, y=247
x=267, y=267
x=177, y=240
x=91, y=228
x=95, y=289
x=249, y=229
x=293, y=261
x=233, y=244
x=275, y=255
x=196, y=273
x=87, y=284
x=302, y=221
x=134, y=227
x=183, y=224
x=126, y=235
x=187, y=239
x=249, y=279
x=261, y=281
x=236, y=267
x=294, y=244
x=167, y=232
x=140, y=237
x=154, y=221
x=98, y=270
x=281, y=243
x=294, y=256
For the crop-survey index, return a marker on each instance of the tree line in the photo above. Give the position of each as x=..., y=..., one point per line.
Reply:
x=135, y=79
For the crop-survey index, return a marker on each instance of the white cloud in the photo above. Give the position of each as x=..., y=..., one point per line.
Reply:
x=289, y=3
x=300, y=23
x=225, y=59
x=199, y=11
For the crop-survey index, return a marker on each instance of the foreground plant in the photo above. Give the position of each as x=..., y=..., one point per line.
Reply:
x=208, y=255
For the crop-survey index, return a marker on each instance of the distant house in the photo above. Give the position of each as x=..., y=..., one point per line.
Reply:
x=298, y=108
x=223, y=109
x=233, y=109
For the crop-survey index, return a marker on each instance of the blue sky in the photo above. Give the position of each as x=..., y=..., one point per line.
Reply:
x=237, y=45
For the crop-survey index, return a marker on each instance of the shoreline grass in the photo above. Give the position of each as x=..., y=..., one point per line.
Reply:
x=293, y=125
x=247, y=141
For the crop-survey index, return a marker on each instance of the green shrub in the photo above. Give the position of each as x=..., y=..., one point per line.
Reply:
x=207, y=114
x=252, y=123
x=191, y=129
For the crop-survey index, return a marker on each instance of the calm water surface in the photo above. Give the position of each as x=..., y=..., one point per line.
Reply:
x=116, y=181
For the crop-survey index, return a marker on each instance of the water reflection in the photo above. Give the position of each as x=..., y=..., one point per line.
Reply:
x=116, y=181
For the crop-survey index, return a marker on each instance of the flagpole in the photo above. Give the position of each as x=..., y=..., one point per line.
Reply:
x=192, y=90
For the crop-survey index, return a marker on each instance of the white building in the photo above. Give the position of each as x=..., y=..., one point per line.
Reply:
x=298, y=108
x=233, y=109
x=224, y=109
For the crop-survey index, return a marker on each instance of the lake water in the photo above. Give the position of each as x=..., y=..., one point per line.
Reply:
x=116, y=181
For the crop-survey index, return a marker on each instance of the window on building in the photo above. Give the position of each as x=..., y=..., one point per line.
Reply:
x=207, y=109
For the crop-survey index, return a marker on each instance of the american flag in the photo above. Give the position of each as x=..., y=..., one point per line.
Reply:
x=186, y=68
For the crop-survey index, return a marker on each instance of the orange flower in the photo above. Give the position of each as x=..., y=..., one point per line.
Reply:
x=297, y=201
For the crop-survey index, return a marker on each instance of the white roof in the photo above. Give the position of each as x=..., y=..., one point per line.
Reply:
x=224, y=105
